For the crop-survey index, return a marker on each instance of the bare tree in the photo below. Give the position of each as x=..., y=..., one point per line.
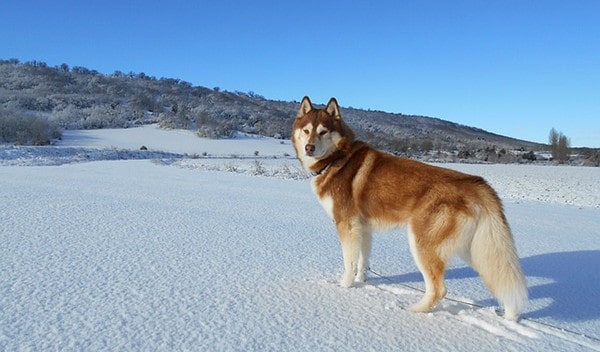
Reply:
x=559, y=144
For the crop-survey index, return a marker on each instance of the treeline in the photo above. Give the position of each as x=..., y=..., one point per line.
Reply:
x=80, y=98
x=50, y=98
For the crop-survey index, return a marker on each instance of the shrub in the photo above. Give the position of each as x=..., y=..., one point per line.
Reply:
x=23, y=129
x=258, y=168
x=529, y=156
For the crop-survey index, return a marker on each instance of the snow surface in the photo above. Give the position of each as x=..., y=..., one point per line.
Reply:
x=207, y=246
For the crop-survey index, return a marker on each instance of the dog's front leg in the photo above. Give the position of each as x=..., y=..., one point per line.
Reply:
x=363, y=258
x=350, y=241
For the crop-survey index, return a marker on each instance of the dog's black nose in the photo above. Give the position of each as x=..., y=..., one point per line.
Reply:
x=310, y=149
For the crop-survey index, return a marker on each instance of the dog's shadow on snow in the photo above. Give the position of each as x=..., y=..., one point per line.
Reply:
x=571, y=293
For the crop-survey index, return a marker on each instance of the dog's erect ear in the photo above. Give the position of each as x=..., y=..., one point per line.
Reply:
x=333, y=108
x=305, y=107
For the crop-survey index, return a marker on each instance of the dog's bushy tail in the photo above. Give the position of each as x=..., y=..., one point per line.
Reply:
x=494, y=256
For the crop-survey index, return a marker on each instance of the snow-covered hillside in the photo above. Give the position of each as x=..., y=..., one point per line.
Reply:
x=220, y=245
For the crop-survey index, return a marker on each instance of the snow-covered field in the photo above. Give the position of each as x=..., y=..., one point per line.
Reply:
x=210, y=245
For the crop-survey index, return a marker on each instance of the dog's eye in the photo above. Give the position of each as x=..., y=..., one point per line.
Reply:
x=306, y=131
x=322, y=133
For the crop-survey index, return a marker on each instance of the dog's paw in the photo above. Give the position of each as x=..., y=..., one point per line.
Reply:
x=361, y=277
x=423, y=306
x=347, y=281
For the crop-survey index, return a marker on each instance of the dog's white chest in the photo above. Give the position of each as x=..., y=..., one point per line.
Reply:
x=326, y=201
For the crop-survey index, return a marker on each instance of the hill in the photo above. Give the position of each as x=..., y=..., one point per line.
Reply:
x=81, y=98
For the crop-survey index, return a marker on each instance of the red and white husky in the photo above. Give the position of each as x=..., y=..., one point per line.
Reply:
x=447, y=212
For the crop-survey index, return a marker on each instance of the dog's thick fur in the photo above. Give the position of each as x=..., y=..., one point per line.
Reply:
x=447, y=212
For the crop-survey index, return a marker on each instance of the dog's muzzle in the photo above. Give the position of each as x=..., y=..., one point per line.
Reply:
x=309, y=149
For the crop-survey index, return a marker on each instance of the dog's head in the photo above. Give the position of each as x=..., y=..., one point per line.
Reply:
x=318, y=133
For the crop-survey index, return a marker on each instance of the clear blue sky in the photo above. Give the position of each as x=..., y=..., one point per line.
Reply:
x=514, y=67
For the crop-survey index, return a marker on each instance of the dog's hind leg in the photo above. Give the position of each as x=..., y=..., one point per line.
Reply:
x=351, y=248
x=432, y=267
